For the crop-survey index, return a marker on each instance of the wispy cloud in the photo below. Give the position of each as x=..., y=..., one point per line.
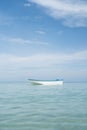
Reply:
x=40, y=32
x=73, y=13
x=27, y=4
x=17, y=40
x=5, y=20
x=60, y=32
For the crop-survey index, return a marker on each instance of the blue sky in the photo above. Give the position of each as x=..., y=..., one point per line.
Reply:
x=43, y=39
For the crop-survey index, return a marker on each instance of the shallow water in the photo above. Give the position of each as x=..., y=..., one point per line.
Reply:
x=27, y=107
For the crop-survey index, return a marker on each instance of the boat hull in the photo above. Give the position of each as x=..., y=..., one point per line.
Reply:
x=37, y=82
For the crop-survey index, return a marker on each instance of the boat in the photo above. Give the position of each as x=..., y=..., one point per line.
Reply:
x=46, y=82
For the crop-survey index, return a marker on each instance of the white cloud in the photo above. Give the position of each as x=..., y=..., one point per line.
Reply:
x=73, y=13
x=43, y=59
x=43, y=65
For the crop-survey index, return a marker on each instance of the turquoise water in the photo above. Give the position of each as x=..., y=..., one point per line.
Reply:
x=27, y=107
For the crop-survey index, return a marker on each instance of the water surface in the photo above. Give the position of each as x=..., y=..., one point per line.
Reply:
x=27, y=107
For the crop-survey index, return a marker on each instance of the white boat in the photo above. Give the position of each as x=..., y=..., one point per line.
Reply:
x=46, y=82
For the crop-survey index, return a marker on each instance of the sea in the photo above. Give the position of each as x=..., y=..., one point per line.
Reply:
x=34, y=107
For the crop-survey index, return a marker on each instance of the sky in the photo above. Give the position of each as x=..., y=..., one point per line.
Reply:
x=43, y=39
